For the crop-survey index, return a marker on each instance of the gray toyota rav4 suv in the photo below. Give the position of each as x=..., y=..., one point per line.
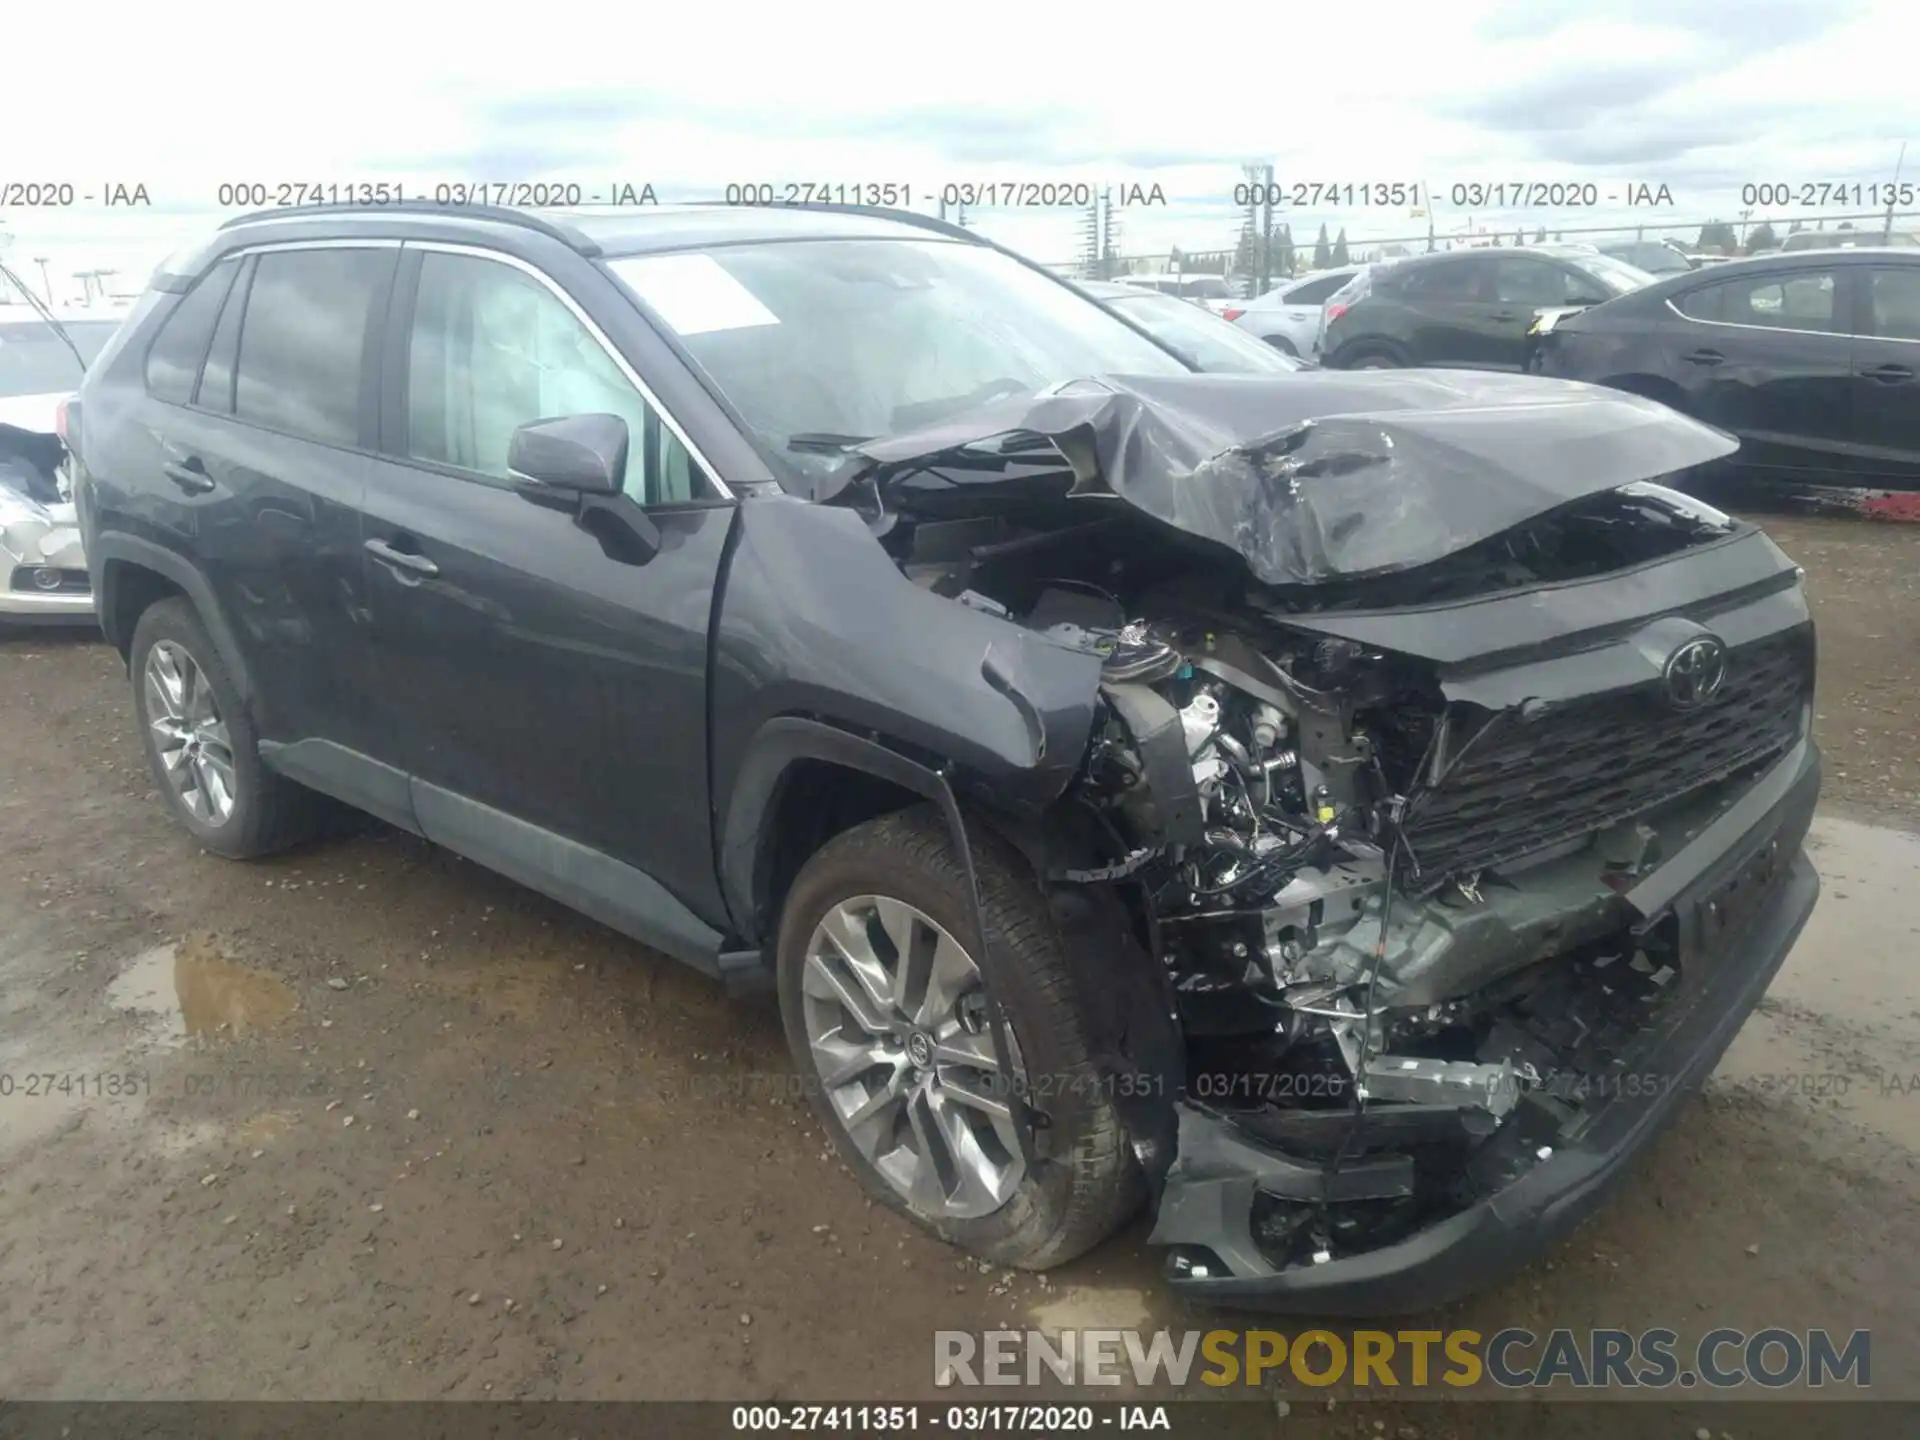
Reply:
x=1342, y=812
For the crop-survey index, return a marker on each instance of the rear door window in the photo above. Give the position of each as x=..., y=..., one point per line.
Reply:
x=1522, y=280
x=308, y=336
x=1895, y=296
x=1791, y=301
x=1454, y=280
x=180, y=346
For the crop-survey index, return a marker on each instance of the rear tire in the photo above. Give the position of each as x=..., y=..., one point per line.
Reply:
x=1052, y=1210
x=201, y=744
x=1282, y=344
x=1374, y=360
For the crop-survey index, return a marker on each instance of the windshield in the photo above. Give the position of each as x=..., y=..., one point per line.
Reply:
x=1211, y=343
x=1618, y=276
x=1651, y=256
x=33, y=361
x=861, y=338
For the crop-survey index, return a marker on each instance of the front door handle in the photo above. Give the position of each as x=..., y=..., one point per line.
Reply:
x=189, y=474
x=405, y=560
x=1503, y=315
x=1705, y=357
x=1889, y=374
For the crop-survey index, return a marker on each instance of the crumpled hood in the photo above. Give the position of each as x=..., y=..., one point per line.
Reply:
x=1326, y=475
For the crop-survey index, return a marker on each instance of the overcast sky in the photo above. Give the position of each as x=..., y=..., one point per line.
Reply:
x=1700, y=95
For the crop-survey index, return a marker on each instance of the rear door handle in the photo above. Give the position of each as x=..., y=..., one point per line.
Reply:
x=189, y=474
x=1889, y=374
x=402, y=560
x=1705, y=357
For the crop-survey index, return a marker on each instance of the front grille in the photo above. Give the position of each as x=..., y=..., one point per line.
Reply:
x=27, y=578
x=1525, y=785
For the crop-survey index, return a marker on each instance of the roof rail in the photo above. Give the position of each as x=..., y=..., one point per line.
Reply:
x=878, y=212
x=572, y=238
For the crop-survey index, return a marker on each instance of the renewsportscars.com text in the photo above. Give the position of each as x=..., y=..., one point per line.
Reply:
x=1512, y=1359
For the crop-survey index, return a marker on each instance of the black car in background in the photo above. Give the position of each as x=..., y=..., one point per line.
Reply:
x=1808, y=358
x=1468, y=309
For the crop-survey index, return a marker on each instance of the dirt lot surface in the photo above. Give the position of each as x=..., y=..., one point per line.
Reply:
x=390, y=1126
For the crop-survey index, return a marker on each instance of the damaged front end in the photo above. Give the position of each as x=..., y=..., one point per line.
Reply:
x=43, y=570
x=1456, y=870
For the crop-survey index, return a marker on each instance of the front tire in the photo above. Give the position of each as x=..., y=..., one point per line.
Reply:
x=884, y=1010
x=201, y=744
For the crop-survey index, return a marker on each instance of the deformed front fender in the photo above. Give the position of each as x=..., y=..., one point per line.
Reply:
x=815, y=621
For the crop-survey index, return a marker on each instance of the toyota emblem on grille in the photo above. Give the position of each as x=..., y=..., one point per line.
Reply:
x=1695, y=672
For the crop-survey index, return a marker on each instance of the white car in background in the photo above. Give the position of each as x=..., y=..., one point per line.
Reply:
x=43, y=572
x=1287, y=317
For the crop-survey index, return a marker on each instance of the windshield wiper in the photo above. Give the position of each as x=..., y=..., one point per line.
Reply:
x=825, y=442
x=45, y=314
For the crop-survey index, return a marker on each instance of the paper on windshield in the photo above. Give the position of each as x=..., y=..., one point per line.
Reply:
x=694, y=294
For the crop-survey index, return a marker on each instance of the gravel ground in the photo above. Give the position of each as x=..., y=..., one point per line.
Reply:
x=394, y=1127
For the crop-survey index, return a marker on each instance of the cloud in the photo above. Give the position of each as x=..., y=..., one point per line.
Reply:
x=1743, y=29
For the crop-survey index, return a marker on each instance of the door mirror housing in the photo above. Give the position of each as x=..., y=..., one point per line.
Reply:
x=580, y=454
x=578, y=463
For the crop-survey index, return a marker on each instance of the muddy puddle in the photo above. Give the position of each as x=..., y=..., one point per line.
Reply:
x=193, y=992
x=1837, y=1031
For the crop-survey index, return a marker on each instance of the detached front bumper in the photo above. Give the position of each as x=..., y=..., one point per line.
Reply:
x=1739, y=893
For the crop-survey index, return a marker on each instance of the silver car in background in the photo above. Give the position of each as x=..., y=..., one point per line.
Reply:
x=1205, y=340
x=43, y=355
x=1287, y=317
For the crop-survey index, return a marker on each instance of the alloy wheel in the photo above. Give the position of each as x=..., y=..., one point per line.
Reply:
x=189, y=734
x=897, y=1024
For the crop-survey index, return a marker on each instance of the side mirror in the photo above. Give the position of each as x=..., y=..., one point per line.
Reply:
x=578, y=463
x=583, y=454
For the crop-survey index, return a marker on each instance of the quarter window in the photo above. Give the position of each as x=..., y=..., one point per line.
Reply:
x=493, y=349
x=173, y=362
x=305, y=338
x=1315, y=292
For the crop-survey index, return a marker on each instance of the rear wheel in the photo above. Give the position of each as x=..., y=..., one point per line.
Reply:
x=1375, y=360
x=885, y=1005
x=201, y=745
x=1282, y=344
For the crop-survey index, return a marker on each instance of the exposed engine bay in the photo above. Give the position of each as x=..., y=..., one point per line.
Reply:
x=1377, y=945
